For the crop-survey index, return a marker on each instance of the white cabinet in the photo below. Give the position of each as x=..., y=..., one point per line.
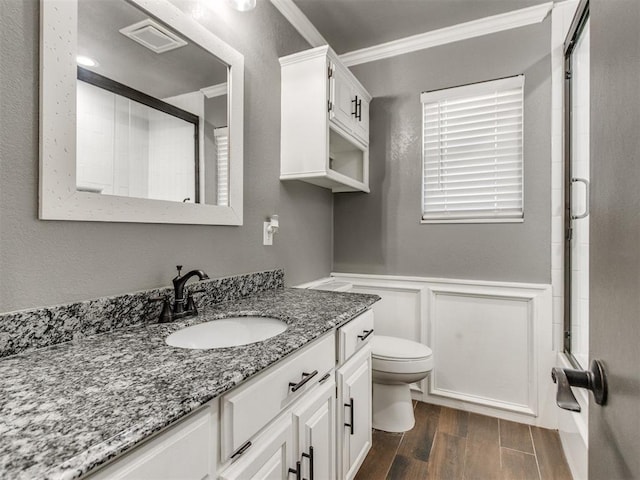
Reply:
x=324, y=122
x=314, y=422
x=290, y=421
x=354, y=417
x=270, y=458
x=354, y=335
x=248, y=408
x=349, y=103
x=301, y=442
x=185, y=450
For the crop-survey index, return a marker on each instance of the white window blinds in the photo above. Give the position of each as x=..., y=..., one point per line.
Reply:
x=472, y=152
x=222, y=157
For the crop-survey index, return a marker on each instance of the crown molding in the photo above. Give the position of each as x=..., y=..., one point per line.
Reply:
x=215, y=90
x=300, y=22
x=316, y=52
x=455, y=33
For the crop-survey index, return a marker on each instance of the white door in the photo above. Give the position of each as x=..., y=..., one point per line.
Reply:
x=315, y=422
x=269, y=458
x=354, y=419
x=344, y=107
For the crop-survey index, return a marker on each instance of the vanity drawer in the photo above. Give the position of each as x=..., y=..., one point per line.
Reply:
x=249, y=407
x=354, y=335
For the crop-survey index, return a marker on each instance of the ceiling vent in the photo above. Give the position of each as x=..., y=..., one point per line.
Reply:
x=153, y=36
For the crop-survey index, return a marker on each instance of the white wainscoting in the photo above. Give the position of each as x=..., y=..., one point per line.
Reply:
x=491, y=341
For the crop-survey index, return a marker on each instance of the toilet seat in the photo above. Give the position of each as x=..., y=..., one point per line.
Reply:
x=398, y=355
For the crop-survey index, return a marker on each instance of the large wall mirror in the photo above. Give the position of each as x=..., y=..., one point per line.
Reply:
x=141, y=115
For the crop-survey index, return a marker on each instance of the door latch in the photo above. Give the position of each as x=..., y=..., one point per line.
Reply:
x=594, y=379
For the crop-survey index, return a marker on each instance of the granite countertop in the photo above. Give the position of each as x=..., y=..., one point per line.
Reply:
x=69, y=408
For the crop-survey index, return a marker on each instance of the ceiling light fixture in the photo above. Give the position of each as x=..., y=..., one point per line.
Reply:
x=243, y=5
x=86, y=61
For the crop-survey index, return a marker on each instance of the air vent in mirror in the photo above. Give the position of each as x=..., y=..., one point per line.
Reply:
x=153, y=36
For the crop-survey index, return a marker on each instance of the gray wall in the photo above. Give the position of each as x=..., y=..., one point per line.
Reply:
x=380, y=233
x=48, y=262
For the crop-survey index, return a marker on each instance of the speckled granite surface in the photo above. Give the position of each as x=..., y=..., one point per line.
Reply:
x=71, y=407
x=41, y=327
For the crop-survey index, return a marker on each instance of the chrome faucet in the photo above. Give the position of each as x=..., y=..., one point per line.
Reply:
x=182, y=307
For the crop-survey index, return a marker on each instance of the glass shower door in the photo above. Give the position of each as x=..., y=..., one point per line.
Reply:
x=577, y=180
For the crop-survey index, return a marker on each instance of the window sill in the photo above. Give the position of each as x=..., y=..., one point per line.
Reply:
x=475, y=220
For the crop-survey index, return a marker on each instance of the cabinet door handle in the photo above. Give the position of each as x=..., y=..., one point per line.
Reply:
x=241, y=450
x=296, y=470
x=310, y=457
x=351, y=422
x=305, y=378
x=325, y=378
x=355, y=107
x=359, y=109
x=365, y=334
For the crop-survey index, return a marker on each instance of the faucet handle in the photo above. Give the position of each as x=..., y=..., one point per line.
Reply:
x=179, y=268
x=165, y=315
x=191, y=304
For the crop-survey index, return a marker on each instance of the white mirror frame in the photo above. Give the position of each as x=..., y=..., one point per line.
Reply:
x=59, y=199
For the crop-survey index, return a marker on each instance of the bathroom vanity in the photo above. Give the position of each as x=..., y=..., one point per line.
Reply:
x=280, y=422
x=124, y=404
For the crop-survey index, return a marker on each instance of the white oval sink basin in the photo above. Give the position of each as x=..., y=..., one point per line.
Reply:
x=227, y=332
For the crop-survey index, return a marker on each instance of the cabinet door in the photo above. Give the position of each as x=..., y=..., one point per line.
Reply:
x=315, y=422
x=270, y=456
x=185, y=451
x=343, y=100
x=354, y=422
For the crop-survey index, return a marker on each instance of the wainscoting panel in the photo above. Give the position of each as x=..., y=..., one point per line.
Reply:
x=491, y=341
x=485, y=349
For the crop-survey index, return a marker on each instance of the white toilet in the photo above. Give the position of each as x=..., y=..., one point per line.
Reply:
x=396, y=363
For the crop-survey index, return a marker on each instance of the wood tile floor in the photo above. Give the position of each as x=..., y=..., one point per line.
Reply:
x=450, y=444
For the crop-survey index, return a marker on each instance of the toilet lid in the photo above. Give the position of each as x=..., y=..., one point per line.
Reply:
x=393, y=348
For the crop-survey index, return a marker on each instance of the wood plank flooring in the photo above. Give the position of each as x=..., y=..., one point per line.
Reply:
x=448, y=444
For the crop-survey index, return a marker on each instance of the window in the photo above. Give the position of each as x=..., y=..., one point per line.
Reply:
x=472, y=153
x=222, y=153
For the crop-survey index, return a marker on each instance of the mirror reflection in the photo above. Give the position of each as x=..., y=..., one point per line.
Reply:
x=152, y=110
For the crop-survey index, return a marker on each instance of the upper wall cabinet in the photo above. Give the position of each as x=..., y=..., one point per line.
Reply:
x=325, y=122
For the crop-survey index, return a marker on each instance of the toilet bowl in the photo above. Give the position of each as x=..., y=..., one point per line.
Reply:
x=396, y=363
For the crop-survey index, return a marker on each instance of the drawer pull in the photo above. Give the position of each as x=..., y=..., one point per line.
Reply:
x=326, y=377
x=241, y=450
x=365, y=334
x=350, y=424
x=305, y=378
x=295, y=470
x=310, y=457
